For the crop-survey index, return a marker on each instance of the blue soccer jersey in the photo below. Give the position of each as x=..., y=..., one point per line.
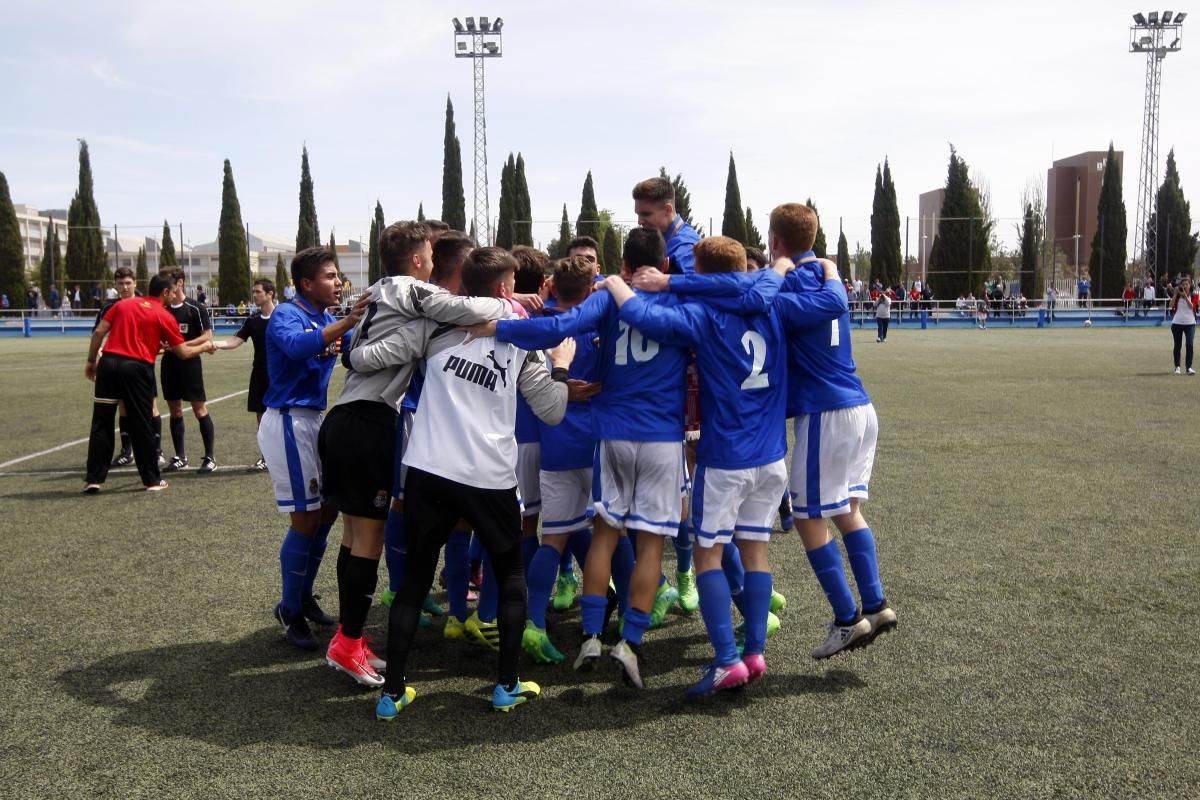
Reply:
x=571, y=444
x=681, y=238
x=413, y=395
x=299, y=362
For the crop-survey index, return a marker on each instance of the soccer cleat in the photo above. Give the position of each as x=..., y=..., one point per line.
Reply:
x=313, y=612
x=689, y=597
x=259, y=466
x=773, y=626
x=431, y=607
x=386, y=598
x=390, y=705
x=207, y=465
x=778, y=602
x=719, y=679
x=483, y=633
x=507, y=699
x=666, y=596
x=92, y=488
x=843, y=637
x=589, y=654
x=1177, y=372
x=626, y=655
x=756, y=667
x=162, y=461
x=123, y=460
x=786, y=520
x=296, y=630
x=154, y=487
x=1191, y=371
x=536, y=643
x=564, y=591
x=176, y=464
x=881, y=621
x=346, y=655
x=455, y=628
x=377, y=663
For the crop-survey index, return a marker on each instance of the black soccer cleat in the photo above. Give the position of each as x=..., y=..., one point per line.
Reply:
x=123, y=460
x=207, y=465
x=296, y=630
x=176, y=464
x=313, y=612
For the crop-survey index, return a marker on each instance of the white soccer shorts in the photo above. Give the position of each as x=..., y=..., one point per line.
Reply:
x=730, y=504
x=404, y=425
x=529, y=464
x=638, y=485
x=566, y=500
x=832, y=459
x=288, y=442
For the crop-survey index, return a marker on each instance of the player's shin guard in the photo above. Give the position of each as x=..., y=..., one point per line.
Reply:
x=177, y=436
x=315, y=554
x=622, y=571
x=543, y=570
x=208, y=435
x=458, y=573
x=362, y=576
x=714, y=607
x=860, y=547
x=683, y=546
x=757, y=605
x=394, y=548
x=293, y=564
x=826, y=562
x=489, y=593
x=591, y=612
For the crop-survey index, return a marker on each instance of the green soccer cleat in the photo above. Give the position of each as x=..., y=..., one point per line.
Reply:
x=778, y=603
x=432, y=608
x=564, y=591
x=689, y=597
x=773, y=625
x=537, y=645
x=482, y=633
x=386, y=598
x=455, y=629
x=666, y=597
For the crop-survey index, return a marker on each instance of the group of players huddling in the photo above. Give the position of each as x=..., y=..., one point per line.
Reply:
x=463, y=418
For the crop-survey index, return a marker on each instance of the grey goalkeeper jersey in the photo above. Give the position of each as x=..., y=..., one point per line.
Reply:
x=380, y=358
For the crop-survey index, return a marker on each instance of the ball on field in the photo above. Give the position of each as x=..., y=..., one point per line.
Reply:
x=1087, y=323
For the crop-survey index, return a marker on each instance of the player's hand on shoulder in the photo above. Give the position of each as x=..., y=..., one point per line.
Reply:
x=530, y=302
x=650, y=279
x=562, y=355
x=783, y=265
x=582, y=390
x=481, y=330
x=611, y=281
x=831, y=272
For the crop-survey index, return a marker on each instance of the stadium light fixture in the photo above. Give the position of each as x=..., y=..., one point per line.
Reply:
x=1179, y=17
x=484, y=25
x=1166, y=17
x=496, y=25
x=1153, y=17
x=1175, y=44
x=470, y=23
x=458, y=26
x=1139, y=18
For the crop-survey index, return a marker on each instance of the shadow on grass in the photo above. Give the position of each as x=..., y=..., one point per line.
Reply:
x=258, y=690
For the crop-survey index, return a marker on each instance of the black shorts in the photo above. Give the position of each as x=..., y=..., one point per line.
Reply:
x=357, y=446
x=182, y=379
x=258, y=390
x=432, y=504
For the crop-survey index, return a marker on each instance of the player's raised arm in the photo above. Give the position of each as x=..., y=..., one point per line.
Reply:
x=678, y=325
x=404, y=345
x=543, y=332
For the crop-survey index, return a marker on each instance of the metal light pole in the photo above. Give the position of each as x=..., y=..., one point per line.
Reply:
x=477, y=43
x=1147, y=36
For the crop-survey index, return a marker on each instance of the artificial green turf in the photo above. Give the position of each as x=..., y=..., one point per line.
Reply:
x=1033, y=501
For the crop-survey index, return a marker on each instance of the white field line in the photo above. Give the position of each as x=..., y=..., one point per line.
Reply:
x=65, y=445
x=35, y=473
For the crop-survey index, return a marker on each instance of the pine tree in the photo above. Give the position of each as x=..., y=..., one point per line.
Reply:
x=333, y=246
x=960, y=250
x=374, y=272
x=611, y=247
x=507, y=204
x=1170, y=244
x=1106, y=264
x=12, y=255
x=588, y=222
x=233, y=272
x=558, y=247
x=281, y=276
x=886, y=263
x=86, y=261
x=166, y=251
x=142, y=273
x=733, y=223
x=523, y=208
x=308, y=233
x=843, y=256
x=50, y=262
x=454, y=203
x=819, y=244
x=753, y=234
x=420, y=212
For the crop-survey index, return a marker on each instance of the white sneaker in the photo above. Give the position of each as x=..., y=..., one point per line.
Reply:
x=1191, y=371
x=881, y=621
x=1177, y=372
x=589, y=654
x=842, y=637
x=625, y=654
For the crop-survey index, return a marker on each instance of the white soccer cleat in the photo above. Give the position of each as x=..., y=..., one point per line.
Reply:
x=626, y=656
x=589, y=654
x=842, y=637
x=881, y=621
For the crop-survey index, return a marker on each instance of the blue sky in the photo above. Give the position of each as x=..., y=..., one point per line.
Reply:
x=809, y=96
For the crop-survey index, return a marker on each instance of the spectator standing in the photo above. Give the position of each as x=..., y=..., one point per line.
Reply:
x=201, y=297
x=4, y=300
x=1185, y=304
x=1126, y=299
x=1148, y=297
x=1051, y=301
x=981, y=314
x=883, y=316
x=289, y=292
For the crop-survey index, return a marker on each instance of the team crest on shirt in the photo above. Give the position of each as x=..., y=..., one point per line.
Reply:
x=381, y=499
x=313, y=488
x=183, y=327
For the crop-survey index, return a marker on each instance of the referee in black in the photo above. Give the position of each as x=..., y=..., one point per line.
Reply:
x=135, y=327
x=184, y=380
x=254, y=329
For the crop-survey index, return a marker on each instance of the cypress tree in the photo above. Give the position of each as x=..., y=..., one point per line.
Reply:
x=843, y=255
x=886, y=264
x=1170, y=244
x=960, y=250
x=523, y=208
x=508, y=189
x=142, y=273
x=1031, y=227
x=12, y=255
x=233, y=272
x=611, y=247
x=472, y=234
x=333, y=246
x=820, y=248
x=308, y=233
x=1106, y=264
x=733, y=223
x=86, y=261
x=51, y=257
x=166, y=251
x=454, y=203
x=374, y=272
x=588, y=223
x=558, y=247
x=877, y=270
x=420, y=212
x=683, y=198
x=281, y=277
x=753, y=235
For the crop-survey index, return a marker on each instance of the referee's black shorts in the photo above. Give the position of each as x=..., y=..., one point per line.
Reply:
x=182, y=379
x=258, y=390
x=357, y=446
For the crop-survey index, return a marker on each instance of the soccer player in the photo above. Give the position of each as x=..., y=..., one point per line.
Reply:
x=184, y=380
x=461, y=463
x=303, y=340
x=124, y=281
x=134, y=327
x=255, y=329
x=357, y=442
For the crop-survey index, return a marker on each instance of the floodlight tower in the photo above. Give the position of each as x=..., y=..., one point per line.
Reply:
x=477, y=43
x=1147, y=35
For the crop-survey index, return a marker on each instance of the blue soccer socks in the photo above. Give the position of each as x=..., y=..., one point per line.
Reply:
x=591, y=611
x=714, y=608
x=294, y=555
x=636, y=624
x=826, y=562
x=860, y=547
x=758, y=605
x=543, y=571
x=315, y=554
x=622, y=572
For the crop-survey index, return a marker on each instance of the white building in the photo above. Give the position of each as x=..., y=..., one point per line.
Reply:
x=35, y=229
